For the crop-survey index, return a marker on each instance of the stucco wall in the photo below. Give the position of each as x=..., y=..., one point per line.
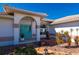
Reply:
x=6, y=43
x=34, y=27
x=6, y=27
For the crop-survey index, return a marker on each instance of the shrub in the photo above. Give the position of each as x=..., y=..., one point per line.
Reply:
x=59, y=39
x=66, y=33
x=25, y=51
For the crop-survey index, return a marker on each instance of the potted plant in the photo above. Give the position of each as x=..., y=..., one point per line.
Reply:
x=22, y=37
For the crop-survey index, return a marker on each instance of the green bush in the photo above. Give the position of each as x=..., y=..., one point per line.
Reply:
x=66, y=33
x=25, y=51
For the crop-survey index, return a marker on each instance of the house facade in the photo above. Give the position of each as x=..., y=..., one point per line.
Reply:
x=18, y=26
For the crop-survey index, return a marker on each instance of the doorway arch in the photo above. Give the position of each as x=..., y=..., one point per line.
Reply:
x=28, y=28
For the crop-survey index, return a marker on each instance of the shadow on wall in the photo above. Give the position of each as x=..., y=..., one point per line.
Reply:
x=52, y=33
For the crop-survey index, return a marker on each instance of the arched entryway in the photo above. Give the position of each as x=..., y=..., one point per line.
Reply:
x=27, y=29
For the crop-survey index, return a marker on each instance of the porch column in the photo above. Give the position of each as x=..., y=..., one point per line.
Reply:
x=16, y=34
x=16, y=29
x=38, y=30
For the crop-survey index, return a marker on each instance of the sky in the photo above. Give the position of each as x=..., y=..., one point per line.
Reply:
x=54, y=10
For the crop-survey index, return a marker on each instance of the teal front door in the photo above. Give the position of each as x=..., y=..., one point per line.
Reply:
x=26, y=31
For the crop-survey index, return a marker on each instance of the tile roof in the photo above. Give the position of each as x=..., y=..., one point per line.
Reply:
x=66, y=19
x=3, y=13
x=13, y=9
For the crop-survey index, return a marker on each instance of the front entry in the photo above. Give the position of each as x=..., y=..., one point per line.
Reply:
x=26, y=31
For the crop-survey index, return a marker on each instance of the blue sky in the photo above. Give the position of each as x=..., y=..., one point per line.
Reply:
x=54, y=10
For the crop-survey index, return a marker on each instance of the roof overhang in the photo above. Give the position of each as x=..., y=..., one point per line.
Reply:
x=6, y=16
x=29, y=12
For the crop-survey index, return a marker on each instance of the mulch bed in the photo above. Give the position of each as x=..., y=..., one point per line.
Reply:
x=46, y=42
x=8, y=49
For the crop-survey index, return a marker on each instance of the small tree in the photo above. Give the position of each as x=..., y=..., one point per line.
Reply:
x=68, y=38
x=71, y=31
x=62, y=31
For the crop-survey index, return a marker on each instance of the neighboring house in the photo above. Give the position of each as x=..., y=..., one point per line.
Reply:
x=18, y=26
x=68, y=23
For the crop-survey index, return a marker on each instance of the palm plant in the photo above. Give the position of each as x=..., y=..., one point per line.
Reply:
x=71, y=31
x=77, y=30
x=62, y=31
